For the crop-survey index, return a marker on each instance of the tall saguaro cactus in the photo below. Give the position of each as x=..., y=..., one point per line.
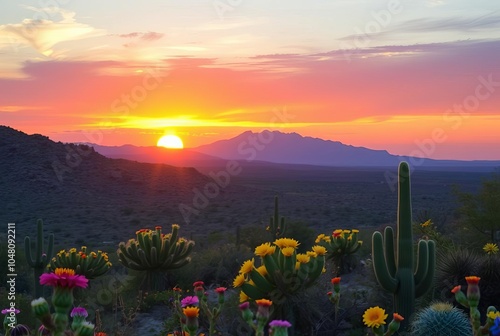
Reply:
x=41, y=258
x=277, y=225
x=397, y=271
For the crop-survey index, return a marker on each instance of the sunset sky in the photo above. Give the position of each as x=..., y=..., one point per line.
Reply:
x=414, y=77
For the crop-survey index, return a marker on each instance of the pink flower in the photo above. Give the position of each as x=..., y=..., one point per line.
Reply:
x=220, y=290
x=189, y=301
x=79, y=311
x=280, y=324
x=10, y=310
x=64, y=277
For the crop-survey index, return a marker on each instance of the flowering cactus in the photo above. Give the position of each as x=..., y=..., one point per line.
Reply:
x=63, y=281
x=258, y=321
x=471, y=301
x=282, y=271
x=89, y=264
x=340, y=245
x=152, y=251
x=375, y=317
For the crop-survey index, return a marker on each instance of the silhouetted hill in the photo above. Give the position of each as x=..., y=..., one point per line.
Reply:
x=292, y=148
x=73, y=187
x=154, y=154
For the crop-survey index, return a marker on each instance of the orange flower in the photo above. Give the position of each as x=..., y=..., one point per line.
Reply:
x=456, y=289
x=264, y=302
x=191, y=311
x=397, y=317
x=472, y=280
x=336, y=280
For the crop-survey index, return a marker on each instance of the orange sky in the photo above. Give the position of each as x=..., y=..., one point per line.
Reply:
x=439, y=99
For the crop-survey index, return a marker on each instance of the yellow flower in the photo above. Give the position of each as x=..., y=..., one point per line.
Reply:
x=286, y=242
x=490, y=248
x=319, y=238
x=374, y=317
x=493, y=315
x=426, y=223
x=72, y=250
x=303, y=258
x=247, y=267
x=262, y=270
x=287, y=251
x=355, y=231
x=176, y=226
x=327, y=239
x=311, y=254
x=264, y=249
x=320, y=250
x=239, y=280
x=243, y=297
x=346, y=231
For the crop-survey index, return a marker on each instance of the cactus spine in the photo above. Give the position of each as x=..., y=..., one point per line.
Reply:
x=441, y=318
x=395, y=270
x=277, y=225
x=41, y=259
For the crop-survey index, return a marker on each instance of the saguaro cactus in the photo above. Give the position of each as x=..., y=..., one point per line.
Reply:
x=277, y=225
x=395, y=270
x=41, y=259
x=155, y=252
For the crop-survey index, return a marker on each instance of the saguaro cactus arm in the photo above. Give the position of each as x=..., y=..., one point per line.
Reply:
x=423, y=284
x=384, y=271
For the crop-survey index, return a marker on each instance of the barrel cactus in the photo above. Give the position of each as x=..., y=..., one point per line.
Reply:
x=155, y=253
x=441, y=318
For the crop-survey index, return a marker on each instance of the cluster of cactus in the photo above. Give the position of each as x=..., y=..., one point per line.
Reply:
x=277, y=224
x=340, y=246
x=91, y=264
x=441, y=318
x=395, y=270
x=281, y=272
x=41, y=258
x=155, y=252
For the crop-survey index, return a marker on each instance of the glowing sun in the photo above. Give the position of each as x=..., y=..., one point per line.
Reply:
x=170, y=141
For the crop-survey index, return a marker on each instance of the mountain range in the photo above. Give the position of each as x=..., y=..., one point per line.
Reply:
x=274, y=147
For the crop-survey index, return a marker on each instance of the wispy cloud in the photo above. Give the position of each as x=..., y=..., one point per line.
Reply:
x=43, y=34
x=485, y=22
x=148, y=36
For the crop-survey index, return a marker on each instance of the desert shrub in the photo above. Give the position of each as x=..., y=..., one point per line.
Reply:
x=454, y=265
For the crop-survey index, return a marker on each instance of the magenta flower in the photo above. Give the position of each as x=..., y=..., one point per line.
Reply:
x=279, y=324
x=10, y=310
x=64, y=277
x=189, y=301
x=79, y=311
